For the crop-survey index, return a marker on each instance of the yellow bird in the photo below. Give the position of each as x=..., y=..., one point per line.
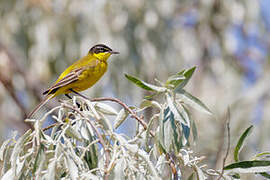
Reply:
x=81, y=75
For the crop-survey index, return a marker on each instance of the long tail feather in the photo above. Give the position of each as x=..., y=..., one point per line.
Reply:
x=44, y=101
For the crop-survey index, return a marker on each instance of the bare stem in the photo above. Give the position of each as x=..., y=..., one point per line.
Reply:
x=228, y=144
x=50, y=126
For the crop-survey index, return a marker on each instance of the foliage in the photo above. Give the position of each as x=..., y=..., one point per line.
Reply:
x=259, y=164
x=84, y=143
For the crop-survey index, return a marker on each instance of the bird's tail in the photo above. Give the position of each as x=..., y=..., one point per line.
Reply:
x=44, y=101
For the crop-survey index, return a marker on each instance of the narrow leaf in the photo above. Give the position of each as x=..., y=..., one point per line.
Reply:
x=240, y=143
x=175, y=80
x=3, y=149
x=51, y=170
x=120, y=118
x=199, y=173
x=249, y=167
x=106, y=122
x=192, y=101
x=262, y=155
x=106, y=109
x=18, y=148
x=266, y=175
x=145, y=85
x=187, y=74
x=73, y=169
x=73, y=133
x=145, y=103
x=8, y=175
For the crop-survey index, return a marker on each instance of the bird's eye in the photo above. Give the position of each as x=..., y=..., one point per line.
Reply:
x=100, y=50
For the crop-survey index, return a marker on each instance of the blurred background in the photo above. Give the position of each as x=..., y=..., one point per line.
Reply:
x=228, y=41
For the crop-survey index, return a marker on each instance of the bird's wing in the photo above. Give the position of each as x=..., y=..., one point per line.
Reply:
x=73, y=75
x=69, y=78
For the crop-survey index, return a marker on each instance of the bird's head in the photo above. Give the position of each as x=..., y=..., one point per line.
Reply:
x=101, y=52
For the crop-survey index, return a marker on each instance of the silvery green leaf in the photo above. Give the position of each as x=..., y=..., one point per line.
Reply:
x=6, y=161
x=176, y=79
x=168, y=129
x=51, y=170
x=39, y=160
x=118, y=171
x=90, y=129
x=175, y=111
x=145, y=103
x=183, y=114
x=72, y=154
x=106, y=122
x=3, y=149
x=187, y=74
x=146, y=158
x=120, y=118
x=93, y=110
x=262, y=155
x=161, y=129
x=84, y=132
x=74, y=134
x=178, y=113
x=199, y=173
x=17, y=149
x=48, y=138
x=185, y=156
x=147, y=133
x=73, y=169
x=240, y=143
x=194, y=130
x=144, y=85
x=132, y=147
x=41, y=164
x=266, y=175
x=163, y=167
x=192, y=101
x=105, y=109
x=185, y=127
x=249, y=167
x=9, y=175
x=19, y=167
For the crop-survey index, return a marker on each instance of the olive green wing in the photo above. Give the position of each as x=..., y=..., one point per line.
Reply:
x=71, y=77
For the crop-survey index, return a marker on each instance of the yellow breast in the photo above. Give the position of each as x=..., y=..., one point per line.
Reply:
x=89, y=77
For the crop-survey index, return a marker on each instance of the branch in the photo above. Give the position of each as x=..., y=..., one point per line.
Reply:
x=133, y=114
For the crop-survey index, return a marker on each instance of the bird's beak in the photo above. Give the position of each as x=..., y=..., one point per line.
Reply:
x=114, y=52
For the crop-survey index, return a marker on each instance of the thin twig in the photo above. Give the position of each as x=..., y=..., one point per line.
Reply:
x=133, y=114
x=101, y=140
x=50, y=126
x=228, y=144
x=10, y=89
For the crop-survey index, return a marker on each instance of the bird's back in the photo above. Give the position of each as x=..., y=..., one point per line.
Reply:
x=91, y=70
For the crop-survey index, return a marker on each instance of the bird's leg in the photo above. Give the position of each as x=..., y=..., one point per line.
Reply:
x=67, y=95
x=79, y=94
x=79, y=106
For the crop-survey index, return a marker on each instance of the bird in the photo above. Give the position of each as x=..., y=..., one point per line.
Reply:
x=79, y=76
